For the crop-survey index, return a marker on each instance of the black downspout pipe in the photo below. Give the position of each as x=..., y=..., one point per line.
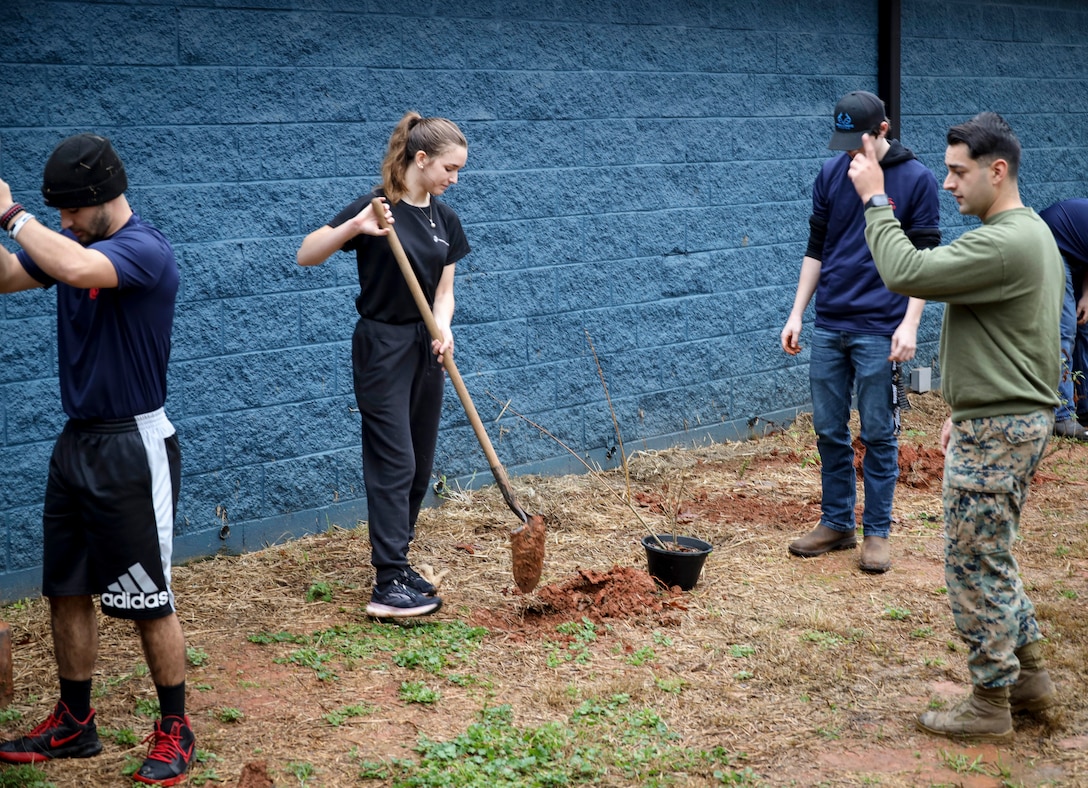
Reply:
x=888, y=60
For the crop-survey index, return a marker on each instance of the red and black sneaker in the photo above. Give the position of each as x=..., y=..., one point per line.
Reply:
x=60, y=736
x=172, y=748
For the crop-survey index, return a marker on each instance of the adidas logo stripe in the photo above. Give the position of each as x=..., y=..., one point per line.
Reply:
x=135, y=590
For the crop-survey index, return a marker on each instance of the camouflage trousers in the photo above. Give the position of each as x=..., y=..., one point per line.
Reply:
x=987, y=472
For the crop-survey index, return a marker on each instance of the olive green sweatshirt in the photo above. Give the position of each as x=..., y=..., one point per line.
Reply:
x=1003, y=284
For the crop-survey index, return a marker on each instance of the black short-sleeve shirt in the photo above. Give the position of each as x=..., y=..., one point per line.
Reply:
x=383, y=293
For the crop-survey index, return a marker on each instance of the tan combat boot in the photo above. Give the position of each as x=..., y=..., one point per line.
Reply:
x=1033, y=691
x=984, y=714
x=822, y=539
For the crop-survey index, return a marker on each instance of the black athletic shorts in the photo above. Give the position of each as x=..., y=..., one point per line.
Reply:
x=109, y=514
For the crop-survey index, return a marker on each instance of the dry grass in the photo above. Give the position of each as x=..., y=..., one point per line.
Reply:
x=811, y=668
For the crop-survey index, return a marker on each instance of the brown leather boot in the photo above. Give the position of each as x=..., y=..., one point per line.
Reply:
x=984, y=714
x=875, y=555
x=822, y=539
x=1033, y=691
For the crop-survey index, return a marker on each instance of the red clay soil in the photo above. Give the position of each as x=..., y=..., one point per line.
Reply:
x=621, y=592
x=919, y=466
x=922, y=467
x=618, y=593
x=734, y=506
x=255, y=775
x=527, y=552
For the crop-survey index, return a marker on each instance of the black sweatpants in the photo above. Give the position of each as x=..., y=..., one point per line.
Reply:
x=398, y=387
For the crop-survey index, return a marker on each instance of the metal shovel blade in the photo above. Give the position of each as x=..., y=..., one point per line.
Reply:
x=527, y=552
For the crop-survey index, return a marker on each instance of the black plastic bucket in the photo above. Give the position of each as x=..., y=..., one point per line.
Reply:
x=676, y=567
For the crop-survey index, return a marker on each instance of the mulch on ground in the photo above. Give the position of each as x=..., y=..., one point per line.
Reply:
x=812, y=669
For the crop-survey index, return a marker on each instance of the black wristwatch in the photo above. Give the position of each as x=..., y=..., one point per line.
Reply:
x=877, y=201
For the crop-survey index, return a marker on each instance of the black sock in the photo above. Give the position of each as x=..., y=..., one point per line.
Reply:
x=76, y=695
x=172, y=700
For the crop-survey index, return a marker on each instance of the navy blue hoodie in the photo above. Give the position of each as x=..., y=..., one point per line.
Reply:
x=851, y=296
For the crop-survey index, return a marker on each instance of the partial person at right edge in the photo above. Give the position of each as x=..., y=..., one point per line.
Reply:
x=1068, y=222
x=861, y=329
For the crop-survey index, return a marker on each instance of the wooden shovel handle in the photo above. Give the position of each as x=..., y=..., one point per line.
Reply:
x=447, y=360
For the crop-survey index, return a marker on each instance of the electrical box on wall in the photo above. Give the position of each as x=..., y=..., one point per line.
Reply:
x=920, y=378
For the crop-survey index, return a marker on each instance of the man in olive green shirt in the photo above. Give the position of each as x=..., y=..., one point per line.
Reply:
x=1000, y=355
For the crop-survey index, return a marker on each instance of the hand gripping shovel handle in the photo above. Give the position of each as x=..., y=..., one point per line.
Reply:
x=451, y=368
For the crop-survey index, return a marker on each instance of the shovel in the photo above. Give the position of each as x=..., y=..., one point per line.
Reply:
x=527, y=540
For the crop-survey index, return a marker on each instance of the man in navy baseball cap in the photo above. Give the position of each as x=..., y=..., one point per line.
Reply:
x=860, y=333
x=856, y=113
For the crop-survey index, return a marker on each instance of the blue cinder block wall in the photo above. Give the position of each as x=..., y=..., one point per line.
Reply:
x=639, y=176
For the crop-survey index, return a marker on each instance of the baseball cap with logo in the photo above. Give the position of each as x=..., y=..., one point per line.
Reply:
x=83, y=170
x=855, y=114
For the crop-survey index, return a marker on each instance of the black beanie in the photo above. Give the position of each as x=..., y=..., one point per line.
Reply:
x=83, y=170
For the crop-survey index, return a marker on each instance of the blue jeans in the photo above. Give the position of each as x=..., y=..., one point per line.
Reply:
x=1065, y=410
x=839, y=361
x=1080, y=362
x=1073, y=391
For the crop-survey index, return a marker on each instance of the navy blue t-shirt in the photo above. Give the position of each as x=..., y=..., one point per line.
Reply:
x=1068, y=221
x=113, y=344
x=383, y=293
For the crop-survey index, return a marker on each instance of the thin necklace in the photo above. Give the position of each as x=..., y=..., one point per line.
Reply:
x=429, y=213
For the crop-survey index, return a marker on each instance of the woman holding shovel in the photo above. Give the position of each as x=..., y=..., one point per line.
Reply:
x=397, y=367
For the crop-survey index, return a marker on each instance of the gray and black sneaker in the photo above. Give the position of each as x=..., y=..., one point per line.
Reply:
x=395, y=599
x=413, y=579
x=60, y=736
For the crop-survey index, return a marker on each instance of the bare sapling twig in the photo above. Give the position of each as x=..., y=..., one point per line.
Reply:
x=612, y=412
x=593, y=471
x=676, y=511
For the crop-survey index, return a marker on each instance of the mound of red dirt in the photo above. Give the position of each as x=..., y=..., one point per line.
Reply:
x=618, y=593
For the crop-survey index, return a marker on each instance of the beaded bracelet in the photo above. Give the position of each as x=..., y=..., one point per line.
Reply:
x=14, y=231
x=9, y=214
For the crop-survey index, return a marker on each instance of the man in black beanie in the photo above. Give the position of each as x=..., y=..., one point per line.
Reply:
x=112, y=491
